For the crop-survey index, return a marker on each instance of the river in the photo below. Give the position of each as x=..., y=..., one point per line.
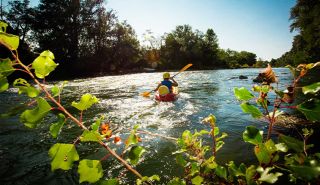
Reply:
x=23, y=151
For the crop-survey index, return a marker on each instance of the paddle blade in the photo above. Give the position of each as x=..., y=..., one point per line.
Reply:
x=146, y=94
x=185, y=67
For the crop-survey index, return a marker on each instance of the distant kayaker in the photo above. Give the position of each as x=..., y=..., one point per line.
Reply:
x=167, y=82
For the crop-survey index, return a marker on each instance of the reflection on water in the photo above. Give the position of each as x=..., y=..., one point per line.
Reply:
x=23, y=152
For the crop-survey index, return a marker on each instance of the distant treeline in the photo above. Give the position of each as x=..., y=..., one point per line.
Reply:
x=89, y=40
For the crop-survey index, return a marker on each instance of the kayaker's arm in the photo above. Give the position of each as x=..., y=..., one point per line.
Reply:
x=157, y=87
x=174, y=82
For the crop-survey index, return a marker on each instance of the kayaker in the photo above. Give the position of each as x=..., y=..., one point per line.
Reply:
x=167, y=81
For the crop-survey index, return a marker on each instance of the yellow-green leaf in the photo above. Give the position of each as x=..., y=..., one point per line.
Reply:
x=9, y=40
x=197, y=180
x=43, y=65
x=86, y=101
x=3, y=26
x=55, y=128
x=25, y=87
x=88, y=136
x=4, y=85
x=62, y=156
x=135, y=153
x=6, y=67
x=31, y=118
x=90, y=170
x=312, y=89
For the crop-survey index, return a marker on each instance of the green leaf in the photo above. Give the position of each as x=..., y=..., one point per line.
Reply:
x=292, y=143
x=9, y=40
x=3, y=26
x=148, y=179
x=265, y=176
x=216, y=131
x=135, y=153
x=221, y=171
x=233, y=170
x=95, y=126
x=197, y=180
x=219, y=145
x=180, y=160
x=109, y=182
x=4, y=85
x=6, y=67
x=308, y=173
x=252, y=135
x=312, y=89
x=262, y=154
x=250, y=109
x=25, y=87
x=88, y=136
x=55, y=128
x=132, y=139
x=43, y=65
x=242, y=94
x=311, y=109
x=48, y=54
x=176, y=181
x=195, y=168
x=223, y=135
x=55, y=91
x=31, y=118
x=250, y=173
x=90, y=170
x=210, y=163
x=86, y=101
x=62, y=156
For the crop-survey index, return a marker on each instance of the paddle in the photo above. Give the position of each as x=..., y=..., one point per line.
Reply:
x=147, y=94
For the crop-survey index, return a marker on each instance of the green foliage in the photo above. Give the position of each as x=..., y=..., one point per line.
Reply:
x=63, y=156
x=252, y=135
x=55, y=128
x=135, y=153
x=90, y=170
x=266, y=176
x=148, y=179
x=25, y=87
x=31, y=118
x=250, y=109
x=311, y=109
x=86, y=101
x=292, y=143
x=242, y=94
x=176, y=181
x=43, y=65
x=88, y=136
x=4, y=85
x=197, y=180
x=6, y=67
x=109, y=182
x=9, y=40
x=312, y=89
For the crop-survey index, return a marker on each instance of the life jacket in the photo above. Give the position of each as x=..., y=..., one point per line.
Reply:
x=167, y=83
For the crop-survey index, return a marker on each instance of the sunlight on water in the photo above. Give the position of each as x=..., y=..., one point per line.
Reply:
x=201, y=93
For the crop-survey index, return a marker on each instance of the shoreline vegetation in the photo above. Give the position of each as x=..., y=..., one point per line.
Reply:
x=92, y=41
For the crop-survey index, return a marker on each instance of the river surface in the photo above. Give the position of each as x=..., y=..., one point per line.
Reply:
x=24, y=152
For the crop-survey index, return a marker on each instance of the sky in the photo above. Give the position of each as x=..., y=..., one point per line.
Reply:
x=258, y=26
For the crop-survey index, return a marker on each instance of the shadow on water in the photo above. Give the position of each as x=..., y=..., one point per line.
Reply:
x=23, y=152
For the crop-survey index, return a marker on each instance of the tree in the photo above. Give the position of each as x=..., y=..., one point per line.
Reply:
x=305, y=16
x=20, y=17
